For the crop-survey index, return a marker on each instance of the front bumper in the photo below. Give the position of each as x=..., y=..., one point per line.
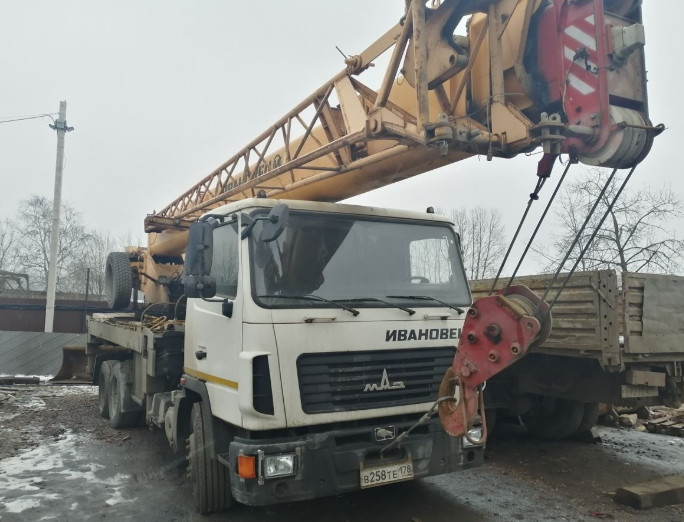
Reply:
x=328, y=463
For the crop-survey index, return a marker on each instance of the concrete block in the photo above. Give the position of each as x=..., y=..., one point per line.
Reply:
x=644, y=378
x=655, y=493
x=628, y=419
x=628, y=391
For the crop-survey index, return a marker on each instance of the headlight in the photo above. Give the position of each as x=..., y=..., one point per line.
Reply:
x=279, y=465
x=475, y=433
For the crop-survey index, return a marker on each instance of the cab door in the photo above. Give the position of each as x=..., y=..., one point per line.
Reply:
x=214, y=326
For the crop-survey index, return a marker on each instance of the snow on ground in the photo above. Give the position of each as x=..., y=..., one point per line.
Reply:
x=32, y=479
x=43, y=378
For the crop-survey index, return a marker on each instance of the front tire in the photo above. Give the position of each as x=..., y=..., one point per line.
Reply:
x=210, y=480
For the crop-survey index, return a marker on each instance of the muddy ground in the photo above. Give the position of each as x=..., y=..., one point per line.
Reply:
x=60, y=461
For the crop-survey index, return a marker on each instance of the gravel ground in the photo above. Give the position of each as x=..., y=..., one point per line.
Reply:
x=31, y=415
x=60, y=461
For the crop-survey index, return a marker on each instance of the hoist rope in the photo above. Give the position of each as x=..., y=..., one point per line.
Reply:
x=577, y=237
x=534, y=196
x=541, y=220
x=593, y=235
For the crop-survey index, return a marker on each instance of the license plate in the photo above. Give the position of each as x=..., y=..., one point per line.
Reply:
x=379, y=475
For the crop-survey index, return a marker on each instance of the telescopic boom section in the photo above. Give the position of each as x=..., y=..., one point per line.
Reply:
x=565, y=76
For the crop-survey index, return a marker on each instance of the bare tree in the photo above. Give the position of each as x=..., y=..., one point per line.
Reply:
x=635, y=237
x=483, y=239
x=430, y=259
x=32, y=230
x=98, y=246
x=7, y=245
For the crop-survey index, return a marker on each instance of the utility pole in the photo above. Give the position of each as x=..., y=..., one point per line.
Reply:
x=61, y=127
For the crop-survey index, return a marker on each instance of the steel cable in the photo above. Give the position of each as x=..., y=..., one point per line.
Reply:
x=534, y=196
x=577, y=236
x=593, y=235
x=541, y=220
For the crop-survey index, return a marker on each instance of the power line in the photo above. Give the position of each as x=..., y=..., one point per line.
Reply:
x=22, y=118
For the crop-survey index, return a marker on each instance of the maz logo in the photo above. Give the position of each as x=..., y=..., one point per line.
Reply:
x=385, y=384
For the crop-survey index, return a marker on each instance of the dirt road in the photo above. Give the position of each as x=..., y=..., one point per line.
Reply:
x=60, y=461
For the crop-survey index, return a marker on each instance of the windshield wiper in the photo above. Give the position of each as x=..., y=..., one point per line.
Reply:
x=313, y=297
x=428, y=298
x=362, y=299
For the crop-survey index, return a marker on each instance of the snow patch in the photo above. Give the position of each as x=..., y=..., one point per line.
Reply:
x=117, y=498
x=23, y=478
x=8, y=416
x=30, y=403
x=21, y=504
x=87, y=472
x=71, y=389
x=43, y=378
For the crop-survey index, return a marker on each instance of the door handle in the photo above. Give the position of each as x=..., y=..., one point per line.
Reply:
x=200, y=354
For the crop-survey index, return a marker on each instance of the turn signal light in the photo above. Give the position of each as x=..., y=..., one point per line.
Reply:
x=247, y=466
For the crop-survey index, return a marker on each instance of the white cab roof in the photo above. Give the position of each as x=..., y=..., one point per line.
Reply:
x=337, y=208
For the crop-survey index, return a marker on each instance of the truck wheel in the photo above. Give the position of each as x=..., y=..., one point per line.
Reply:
x=210, y=480
x=118, y=280
x=555, y=419
x=589, y=418
x=117, y=417
x=103, y=388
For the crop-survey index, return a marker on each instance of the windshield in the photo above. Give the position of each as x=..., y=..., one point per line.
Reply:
x=377, y=263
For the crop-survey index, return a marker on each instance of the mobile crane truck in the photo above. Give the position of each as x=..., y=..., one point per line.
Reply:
x=316, y=335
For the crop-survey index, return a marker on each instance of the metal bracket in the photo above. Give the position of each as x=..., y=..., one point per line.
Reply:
x=603, y=295
x=550, y=128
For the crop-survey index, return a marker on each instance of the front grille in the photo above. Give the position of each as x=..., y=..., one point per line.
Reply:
x=348, y=381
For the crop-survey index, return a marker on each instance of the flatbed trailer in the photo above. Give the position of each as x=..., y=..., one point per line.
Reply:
x=615, y=340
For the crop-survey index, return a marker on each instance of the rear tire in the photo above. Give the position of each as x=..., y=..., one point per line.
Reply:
x=555, y=418
x=589, y=418
x=210, y=479
x=103, y=388
x=117, y=417
x=118, y=280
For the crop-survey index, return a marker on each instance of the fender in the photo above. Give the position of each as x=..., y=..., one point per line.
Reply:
x=218, y=437
x=100, y=358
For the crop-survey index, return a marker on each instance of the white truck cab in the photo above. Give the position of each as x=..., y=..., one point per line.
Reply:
x=317, y=333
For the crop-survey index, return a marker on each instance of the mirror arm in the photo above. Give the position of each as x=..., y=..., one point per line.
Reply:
x=249, y=222
x=217, y=217
x=208, y=300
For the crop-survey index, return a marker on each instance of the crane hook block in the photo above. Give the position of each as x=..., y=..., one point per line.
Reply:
x=498, y=331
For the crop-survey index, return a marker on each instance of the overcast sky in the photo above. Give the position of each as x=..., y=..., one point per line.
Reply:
x=160, y=93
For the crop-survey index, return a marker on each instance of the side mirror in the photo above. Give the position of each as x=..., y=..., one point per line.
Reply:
x=198, y=258
x=275, y=224
x=199, y=253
